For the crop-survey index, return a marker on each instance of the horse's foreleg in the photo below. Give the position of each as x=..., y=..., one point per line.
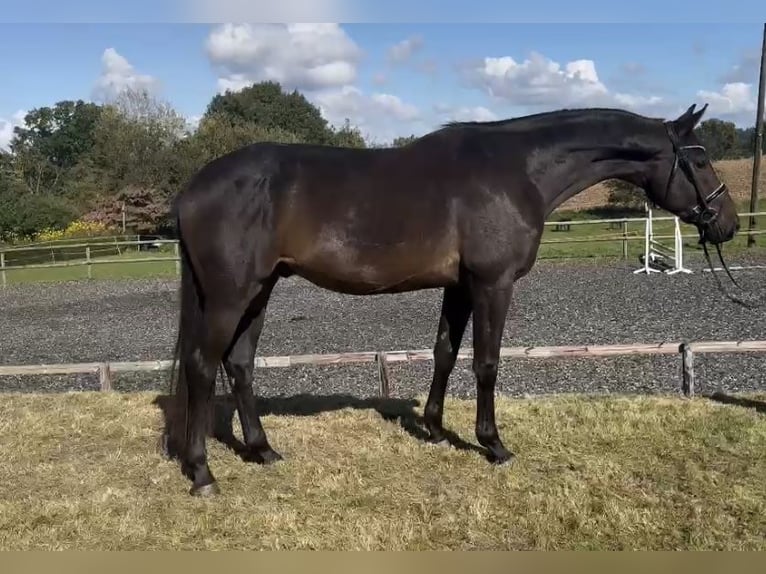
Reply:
x=456, y=309
x=490, y=306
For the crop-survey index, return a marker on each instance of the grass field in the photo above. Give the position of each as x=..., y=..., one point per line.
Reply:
x=579, y=241
x=142, y=270
x=82, y=471
x=576, y=242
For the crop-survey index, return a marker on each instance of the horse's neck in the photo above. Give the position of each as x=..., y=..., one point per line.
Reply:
x=563, y=169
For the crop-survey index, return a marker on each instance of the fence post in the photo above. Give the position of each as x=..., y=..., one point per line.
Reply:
x=2, y=268
x=178, y=260
x=87, y=261
x=384, y=389
x=105, y=377
x=624, y=225
x=687, y=366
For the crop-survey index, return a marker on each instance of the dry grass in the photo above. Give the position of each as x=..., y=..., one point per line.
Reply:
x=83, y=471
x=736, y=173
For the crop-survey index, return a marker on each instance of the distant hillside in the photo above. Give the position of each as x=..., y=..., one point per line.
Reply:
x=736, y=173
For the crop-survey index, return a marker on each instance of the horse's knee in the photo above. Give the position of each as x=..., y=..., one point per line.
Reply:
x=444, y=355
x=485, y=371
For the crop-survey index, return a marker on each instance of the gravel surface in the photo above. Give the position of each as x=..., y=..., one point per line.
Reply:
x=557, y=304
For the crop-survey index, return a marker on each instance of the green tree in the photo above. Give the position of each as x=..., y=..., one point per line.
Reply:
x=625, y=196
x=721, y=139
x=22, y=214
x=348, y=136
x=268, y=106
x=134, y=160
x=403, y=140
x=747, y=141
x=52, y=141
x=134, y=139
x=218, y=134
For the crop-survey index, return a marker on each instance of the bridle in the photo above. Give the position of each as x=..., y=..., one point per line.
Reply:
x=703, y=215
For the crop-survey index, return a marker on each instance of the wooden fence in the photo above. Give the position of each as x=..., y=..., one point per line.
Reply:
x=622, y=237
x=88, y=261
x=686, y=350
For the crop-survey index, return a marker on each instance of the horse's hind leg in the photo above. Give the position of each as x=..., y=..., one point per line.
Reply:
x=239, y=365
x=200, y=363
x=456, y=309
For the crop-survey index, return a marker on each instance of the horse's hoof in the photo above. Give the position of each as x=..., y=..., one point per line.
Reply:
x=262, y=457
x=270, y=456
x=502, y=459
x=206, y=490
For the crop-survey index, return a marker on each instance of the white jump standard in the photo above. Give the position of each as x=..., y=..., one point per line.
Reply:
x=656, y=253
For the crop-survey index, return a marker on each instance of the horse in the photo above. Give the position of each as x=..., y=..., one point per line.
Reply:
x=461, y=208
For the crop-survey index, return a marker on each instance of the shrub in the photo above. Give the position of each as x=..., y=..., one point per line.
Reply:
x=77, y=229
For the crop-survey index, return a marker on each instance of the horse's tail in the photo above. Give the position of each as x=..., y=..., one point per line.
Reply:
x=189, y=328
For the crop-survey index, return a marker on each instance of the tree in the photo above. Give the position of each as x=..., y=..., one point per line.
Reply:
x=22, y=214
x=134, y=159
x=134, y=139
x=266, y=105
x=52, y=141
x=348, y=136
x=144, y=212
x=747, y=141
x=625, y=196
x=218, y=134
x=403, y=140
x=721, y=138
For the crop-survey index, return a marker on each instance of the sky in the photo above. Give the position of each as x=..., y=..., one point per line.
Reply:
x=390, y=79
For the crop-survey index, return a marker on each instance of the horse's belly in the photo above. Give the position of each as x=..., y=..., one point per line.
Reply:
x=371, y=272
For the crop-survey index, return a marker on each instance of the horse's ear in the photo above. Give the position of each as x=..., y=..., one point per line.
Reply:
x=686, y=116
x=687, y=121
x=697, y=116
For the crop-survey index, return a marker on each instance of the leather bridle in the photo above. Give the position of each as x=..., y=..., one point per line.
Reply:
x=703, y=214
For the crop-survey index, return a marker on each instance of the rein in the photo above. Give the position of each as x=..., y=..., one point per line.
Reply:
x=704, y=215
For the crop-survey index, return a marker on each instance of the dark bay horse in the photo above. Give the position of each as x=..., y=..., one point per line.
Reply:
x=461, y=208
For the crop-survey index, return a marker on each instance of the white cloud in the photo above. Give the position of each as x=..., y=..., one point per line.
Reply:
x=404, y=50
x=379, y=115
x=6, y=128
x=450, y=113
x=539, y=82
x=735, y=101
x=320, y=60
x=306, y=57
x=118, y=74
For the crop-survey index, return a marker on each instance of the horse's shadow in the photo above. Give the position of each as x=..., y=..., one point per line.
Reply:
x=400, y=411
x=723, y=398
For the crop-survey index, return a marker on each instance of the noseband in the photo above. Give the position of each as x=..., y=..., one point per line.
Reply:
x=704, y=215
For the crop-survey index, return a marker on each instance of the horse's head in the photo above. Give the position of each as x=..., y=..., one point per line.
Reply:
x=685, y=183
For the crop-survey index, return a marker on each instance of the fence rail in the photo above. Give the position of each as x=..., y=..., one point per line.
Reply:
x=622, y=236
x=104, y=370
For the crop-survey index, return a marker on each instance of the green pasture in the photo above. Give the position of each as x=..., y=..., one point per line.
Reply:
x=73, y=264
x=603, y=239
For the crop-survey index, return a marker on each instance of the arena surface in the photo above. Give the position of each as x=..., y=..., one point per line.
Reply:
x=557, y=304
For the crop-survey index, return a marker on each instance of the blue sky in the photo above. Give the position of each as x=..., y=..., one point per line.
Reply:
x=444, y=71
